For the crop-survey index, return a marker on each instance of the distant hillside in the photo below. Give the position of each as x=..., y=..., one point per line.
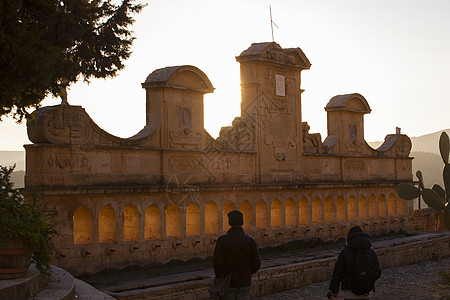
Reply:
x=19, y=179
x=9, y=158
x=430, y=165
x=425, y=143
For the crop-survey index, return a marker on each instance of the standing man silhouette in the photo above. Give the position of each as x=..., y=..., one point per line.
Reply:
x=236, y=253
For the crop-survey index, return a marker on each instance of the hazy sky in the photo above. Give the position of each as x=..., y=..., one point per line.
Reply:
x=395, y=53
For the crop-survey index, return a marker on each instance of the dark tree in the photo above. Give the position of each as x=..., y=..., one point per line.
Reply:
x=46, y=45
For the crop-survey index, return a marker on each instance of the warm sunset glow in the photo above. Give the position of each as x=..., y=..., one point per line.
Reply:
x=394, y=53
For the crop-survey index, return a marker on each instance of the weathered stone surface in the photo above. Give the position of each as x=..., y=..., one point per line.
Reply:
x=166, y=191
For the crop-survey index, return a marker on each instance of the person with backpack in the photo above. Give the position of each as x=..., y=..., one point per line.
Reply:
x=357, y=267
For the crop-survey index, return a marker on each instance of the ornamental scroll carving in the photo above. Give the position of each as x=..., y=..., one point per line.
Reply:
x=278, y=129
x=184, y=163
x=355, y=165
x=72, y=161
x=63, y=124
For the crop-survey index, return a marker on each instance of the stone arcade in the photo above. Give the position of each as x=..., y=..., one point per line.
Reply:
x=164, y=193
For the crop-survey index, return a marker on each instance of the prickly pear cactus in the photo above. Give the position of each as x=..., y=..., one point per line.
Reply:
x=436, y=197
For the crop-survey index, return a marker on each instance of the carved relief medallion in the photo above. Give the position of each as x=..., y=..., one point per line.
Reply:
x=68, y=126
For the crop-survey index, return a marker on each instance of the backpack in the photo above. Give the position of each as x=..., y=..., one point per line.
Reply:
x=362, y=274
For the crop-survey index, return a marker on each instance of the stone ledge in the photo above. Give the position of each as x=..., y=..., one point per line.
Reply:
x=61, y=286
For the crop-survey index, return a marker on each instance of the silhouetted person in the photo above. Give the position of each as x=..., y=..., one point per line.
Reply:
x=356, y=268
x=237, y=253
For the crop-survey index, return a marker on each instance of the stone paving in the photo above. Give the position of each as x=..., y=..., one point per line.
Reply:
x=418, y=281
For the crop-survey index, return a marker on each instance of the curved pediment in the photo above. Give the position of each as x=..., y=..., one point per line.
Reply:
x=349, y=102
x=71, y=125
x=179, y=77
x=293, y=57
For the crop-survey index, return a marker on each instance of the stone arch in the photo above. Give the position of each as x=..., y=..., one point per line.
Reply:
x=303, y=212
x=246, y=209
x=382, y=206
x=227, y=207
x=362, y=205
x=177, y=78
x=193, y=227
x=82, y=226
x=211, y=218
x=391, y=205
x=317, y=211
x=130, y=223
x=276, y=214
x=152, y=227
x=290, y=213
x=351, y=208
x=401, y=206
x=373, y=209
x=341, y=209
x=329, y=210
x=107, y=224
x=261, y=215
x=173, y=221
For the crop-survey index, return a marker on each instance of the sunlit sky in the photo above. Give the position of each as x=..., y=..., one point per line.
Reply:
x=395, y=53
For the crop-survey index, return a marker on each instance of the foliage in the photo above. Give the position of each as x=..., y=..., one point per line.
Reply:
x=436, y=197
x=47, y=45
x=27, y=222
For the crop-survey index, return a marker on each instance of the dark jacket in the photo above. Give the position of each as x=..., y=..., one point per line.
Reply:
x=342, y=269
x=238, y=253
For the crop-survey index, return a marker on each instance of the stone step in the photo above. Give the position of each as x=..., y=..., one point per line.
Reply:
x=85, y=291
x=60, y=286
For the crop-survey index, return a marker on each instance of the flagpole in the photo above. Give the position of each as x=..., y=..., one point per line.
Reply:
x=271, y=22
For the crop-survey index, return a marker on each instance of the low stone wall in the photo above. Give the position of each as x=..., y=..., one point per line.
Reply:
x=280, y=277
x=22, y=288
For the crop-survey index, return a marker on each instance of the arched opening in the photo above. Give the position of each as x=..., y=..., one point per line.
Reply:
x=211, y=218
x=329, y=210
x=173, y=221
x=351, y=208
x=246, y=209
x=82, y=226
x=290, y=213
x=317, y=211
x=152, y=229
x=303, y=212
x=107, y=224
x=276, y=217
x=130, y=223
x=341, y=209
x=391, y=205
x=373, y=211
x=261, y=215
x=362, y=204
x=193, y=220
x=382, y=206
x=227, y=207
x=400, y=206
